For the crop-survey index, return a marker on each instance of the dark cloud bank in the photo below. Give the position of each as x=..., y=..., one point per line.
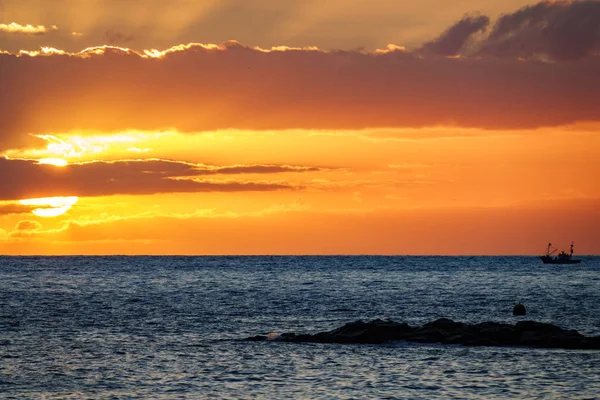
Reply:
x=556, y=30
x=556, y=82
x=29, y=179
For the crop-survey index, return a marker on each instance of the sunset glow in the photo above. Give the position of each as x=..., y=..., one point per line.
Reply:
x=59, y=162
x=196, y=133
x=50, y=206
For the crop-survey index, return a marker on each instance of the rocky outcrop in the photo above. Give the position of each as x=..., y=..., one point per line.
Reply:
x=446, y=331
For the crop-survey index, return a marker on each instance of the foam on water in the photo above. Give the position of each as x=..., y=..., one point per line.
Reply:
x=166, y=327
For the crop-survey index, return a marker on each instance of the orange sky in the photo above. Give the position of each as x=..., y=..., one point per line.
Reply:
x=474, y=134
x=332, y=24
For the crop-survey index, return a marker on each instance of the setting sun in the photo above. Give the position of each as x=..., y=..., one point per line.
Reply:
x=58, y=162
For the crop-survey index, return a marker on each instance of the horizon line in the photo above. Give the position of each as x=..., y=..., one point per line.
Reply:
x=283, y=255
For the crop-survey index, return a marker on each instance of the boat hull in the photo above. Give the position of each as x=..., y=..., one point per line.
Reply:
x=548, y=260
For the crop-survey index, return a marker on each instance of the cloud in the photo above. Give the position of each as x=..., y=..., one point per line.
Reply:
x=28, y=225
x=555, y=30
x=26, y=207
x=560, y=30
x=231, y=86
x=31, y=229
x=14, y=208
x=113, y=37
x=13, y=27
x=411, y=166
x=161, y=23
x=32, y=180
x=456, y=37
x=257, y=169
x=26, y=228
x=391, y=231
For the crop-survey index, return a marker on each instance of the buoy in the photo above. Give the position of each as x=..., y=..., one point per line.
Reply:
x=519, y=309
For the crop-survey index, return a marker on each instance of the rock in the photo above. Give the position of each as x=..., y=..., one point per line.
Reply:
x=287, y=336
x=538, y=334
x=537, y=326
x=459, y=339
x=304, y=338
x=446, y=331
x=438, y=331
x=592, y=343
x=385, y=331
x=445, y=324
x=506, y=335
x=349, y=331
x=519, y=309
x=490, y=325
x=257, y=338
x=376, y=331
x=429, y=335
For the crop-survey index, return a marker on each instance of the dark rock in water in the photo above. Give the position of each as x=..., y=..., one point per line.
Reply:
x=460, y=339
x=445, y=324
x=501, y=335
x=257, y=338
x=537, y=326
x=287, y=336
x=446, y=331
x=437, y=331
x=377, y=331
x=519, y=309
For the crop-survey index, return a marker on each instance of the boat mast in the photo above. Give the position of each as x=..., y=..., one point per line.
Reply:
x=548, y=252
x=572, y=248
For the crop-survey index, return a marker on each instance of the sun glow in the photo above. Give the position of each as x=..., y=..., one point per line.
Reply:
x=50, y=206
x=58, y=162
x=89, y=145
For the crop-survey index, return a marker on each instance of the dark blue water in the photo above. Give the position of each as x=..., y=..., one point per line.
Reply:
x=167, y=327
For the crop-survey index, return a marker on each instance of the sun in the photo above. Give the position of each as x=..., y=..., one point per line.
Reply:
x=50, y=206
x=58, y=162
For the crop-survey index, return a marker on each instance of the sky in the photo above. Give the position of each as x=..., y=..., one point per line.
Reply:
x=283, y=127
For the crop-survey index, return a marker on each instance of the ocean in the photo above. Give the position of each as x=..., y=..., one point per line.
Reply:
x=172, y=327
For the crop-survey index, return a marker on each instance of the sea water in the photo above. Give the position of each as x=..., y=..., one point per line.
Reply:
x=171, y=327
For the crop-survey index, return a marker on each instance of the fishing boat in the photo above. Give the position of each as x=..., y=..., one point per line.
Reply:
x=561, y=258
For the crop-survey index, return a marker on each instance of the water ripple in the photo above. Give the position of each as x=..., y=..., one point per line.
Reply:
x=166, y=327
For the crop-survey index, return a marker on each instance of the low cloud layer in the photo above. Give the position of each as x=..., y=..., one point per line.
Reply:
x=454, y=231
x=502, y=80
x=16, y=28
x=28, y=179
x=199, y=88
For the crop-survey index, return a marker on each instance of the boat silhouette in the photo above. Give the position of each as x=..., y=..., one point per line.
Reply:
x=561, y=258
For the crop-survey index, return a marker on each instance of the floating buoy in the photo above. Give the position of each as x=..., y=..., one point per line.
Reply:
x=519, y=309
